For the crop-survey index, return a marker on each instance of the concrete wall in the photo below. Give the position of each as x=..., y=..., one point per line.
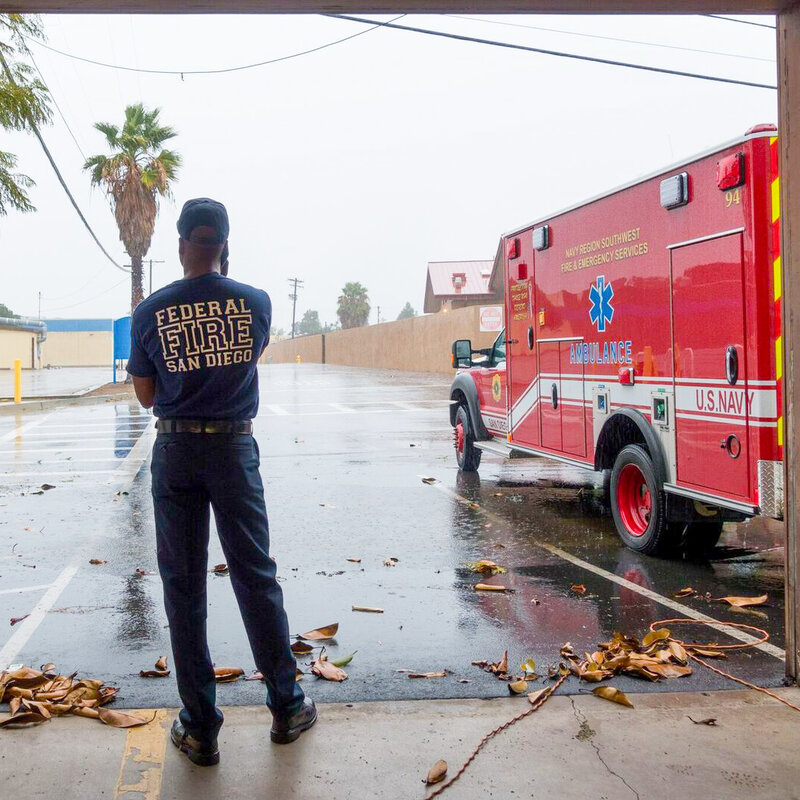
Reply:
x=16, y=344
x=419, y=344
x=77, y=349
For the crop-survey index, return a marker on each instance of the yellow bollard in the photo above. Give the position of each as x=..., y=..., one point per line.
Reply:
x=298, y=359
x=17, y=380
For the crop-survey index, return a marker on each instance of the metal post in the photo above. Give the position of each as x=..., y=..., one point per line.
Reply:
x=153, y=261
x=17, y=380
x=789, y=137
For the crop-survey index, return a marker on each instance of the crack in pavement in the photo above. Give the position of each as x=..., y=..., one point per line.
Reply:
x=586, y=734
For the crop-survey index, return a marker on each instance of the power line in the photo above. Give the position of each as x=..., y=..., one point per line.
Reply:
x=557, y=53
x=182, y=72
x=740, y=21
x=35, y=129
x=609, y=38
x=89, y=299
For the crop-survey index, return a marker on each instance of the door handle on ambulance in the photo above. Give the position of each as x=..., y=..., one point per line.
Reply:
x=512, y=341
x=731, y=365
x=554, y=393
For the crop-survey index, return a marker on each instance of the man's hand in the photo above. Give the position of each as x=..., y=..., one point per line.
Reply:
x=145, y=389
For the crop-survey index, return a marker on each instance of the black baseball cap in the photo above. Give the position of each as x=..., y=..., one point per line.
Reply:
x=204, y=212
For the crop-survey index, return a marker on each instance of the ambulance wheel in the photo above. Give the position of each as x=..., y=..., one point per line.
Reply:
x=638, y=504
x=467, y=455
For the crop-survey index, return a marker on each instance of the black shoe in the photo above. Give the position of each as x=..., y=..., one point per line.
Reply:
x=288, y=727
x=204, y=754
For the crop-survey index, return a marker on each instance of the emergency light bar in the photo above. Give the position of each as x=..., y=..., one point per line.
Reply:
x=541, y=237
x=675, y=191
x=513, y=249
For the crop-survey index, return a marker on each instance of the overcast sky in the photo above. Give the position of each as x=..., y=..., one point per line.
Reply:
x=364, y=161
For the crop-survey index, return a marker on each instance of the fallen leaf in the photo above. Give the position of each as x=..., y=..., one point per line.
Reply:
x=489, y=587
x=528, y=667
x=97, y=561
x=319, y=634
x=534, y=696
x=220, y=569
x=430, y=481
x=703, y=651
x=15, y=620
x=390, y=562
x=474, y=505
x=578, y=588
x=655, y=636
x=498, y=494
x=685, y=592
x=436, y=773
x=518, y=687
x=613, y=694
x=154, y=673
x=368, y=609
x=670, y=670
x=119, y=719
x=323, y=668
x=161, y=663
x=301, y=648
x=441, y=674
x=355, y=560
x=741, y=602
x=256, y=676
x=139, y=572
x=707, y=721
x=26, y=718
x=298, y=674
x=343, y=662
x=485, y=567
x=227, y=674
x=46, y=487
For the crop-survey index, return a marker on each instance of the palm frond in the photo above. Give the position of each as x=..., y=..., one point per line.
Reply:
x=13, y=186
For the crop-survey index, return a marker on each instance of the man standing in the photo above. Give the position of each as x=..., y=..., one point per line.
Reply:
x=194, y=350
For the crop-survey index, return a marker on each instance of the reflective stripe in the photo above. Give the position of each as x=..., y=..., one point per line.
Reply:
x=776, y=199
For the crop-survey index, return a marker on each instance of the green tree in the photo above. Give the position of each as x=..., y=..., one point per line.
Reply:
x=135, y=175
x=276, y=333
x=24, y=104
x=5, y=311
x=353, y=306
x=407, y=312
x=309, y=323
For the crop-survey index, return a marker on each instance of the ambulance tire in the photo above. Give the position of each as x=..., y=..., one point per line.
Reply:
x=638, y=504
x=467, y=455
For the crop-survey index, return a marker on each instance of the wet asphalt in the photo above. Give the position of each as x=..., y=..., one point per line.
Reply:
x=343, y=456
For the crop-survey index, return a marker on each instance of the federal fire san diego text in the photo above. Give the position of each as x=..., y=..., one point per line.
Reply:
x=601, y=353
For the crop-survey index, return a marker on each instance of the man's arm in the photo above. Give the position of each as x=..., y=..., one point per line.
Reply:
x=145, y=389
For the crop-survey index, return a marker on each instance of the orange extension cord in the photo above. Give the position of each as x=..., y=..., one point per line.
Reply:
x=764, y=637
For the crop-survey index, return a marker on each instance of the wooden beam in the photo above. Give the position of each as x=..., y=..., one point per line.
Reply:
x=789, y=133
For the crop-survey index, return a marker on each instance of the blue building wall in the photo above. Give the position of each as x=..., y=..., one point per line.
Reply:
x=72, y=325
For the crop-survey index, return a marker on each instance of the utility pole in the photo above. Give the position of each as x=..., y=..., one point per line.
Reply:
x=379, y=315
x=40, y=305
x=296, y=283
x=151, y=273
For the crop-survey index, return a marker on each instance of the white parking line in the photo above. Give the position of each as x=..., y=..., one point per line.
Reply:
x=100, y=436
x=27, y=450
x=342, y=408
x=46, y=473
x=125, y=474
x=20, y=429
x=28, y=626
x=683, y=610
x=278, y=410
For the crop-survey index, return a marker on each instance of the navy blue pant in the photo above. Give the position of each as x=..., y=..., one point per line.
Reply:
x=192, y=473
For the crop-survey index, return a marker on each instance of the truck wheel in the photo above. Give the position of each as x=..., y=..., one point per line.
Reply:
x=702, y=535
x=638, y=504
x=467, y=455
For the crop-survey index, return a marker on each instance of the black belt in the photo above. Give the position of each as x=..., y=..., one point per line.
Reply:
x=242, y=426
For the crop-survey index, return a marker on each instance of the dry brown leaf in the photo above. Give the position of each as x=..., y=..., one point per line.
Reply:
x=320, y=634
x=119, y=719
x=685, y=592
x=441, y=674
x=97, y=561
x=659, y=635
x=578, y=588
x=227, y=674
x=301, y=648
x=670, y=670
x=14, y=705
x=518, y=687
x=430, y=481
x=678, y=652
x=154, y=673
x=355, y=560
x=489, y=587
x=91, y=713
x=323, y=668
x=533, y=697
x=220, y=569
x=390, y=562
x=708, y=721
x=25, y=718
x=703, y=651
x=436, y=773
x=742, y=602
x=485, y=567
x=368, y=609
x=613, y=694
x=161, y=664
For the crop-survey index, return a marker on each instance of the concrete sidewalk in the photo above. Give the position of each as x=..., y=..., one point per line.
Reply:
x=574, y=748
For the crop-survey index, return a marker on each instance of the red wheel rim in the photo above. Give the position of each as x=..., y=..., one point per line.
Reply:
x=634, y=501
x=460, y=437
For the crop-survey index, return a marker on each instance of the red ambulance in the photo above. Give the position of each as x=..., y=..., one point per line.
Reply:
x=643, y=339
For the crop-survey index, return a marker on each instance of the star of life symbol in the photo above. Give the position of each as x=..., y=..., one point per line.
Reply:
x=602, y=312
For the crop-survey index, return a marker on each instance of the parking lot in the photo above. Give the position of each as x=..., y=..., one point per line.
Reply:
x=344, y=452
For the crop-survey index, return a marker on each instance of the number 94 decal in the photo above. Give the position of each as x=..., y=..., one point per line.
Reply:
x=733, y=197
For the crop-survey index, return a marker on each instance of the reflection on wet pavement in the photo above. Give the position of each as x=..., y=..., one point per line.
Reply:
x=343, y=451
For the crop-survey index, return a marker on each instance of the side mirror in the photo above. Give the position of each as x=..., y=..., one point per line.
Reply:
x=462, y=353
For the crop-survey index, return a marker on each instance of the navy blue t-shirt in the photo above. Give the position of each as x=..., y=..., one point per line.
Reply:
x=200, y=338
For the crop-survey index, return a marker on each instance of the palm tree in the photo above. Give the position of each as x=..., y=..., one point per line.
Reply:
x=23, y=104
x=353, y=306
x=136, y=173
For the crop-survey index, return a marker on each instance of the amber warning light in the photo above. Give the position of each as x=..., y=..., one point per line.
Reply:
x=730, y=172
